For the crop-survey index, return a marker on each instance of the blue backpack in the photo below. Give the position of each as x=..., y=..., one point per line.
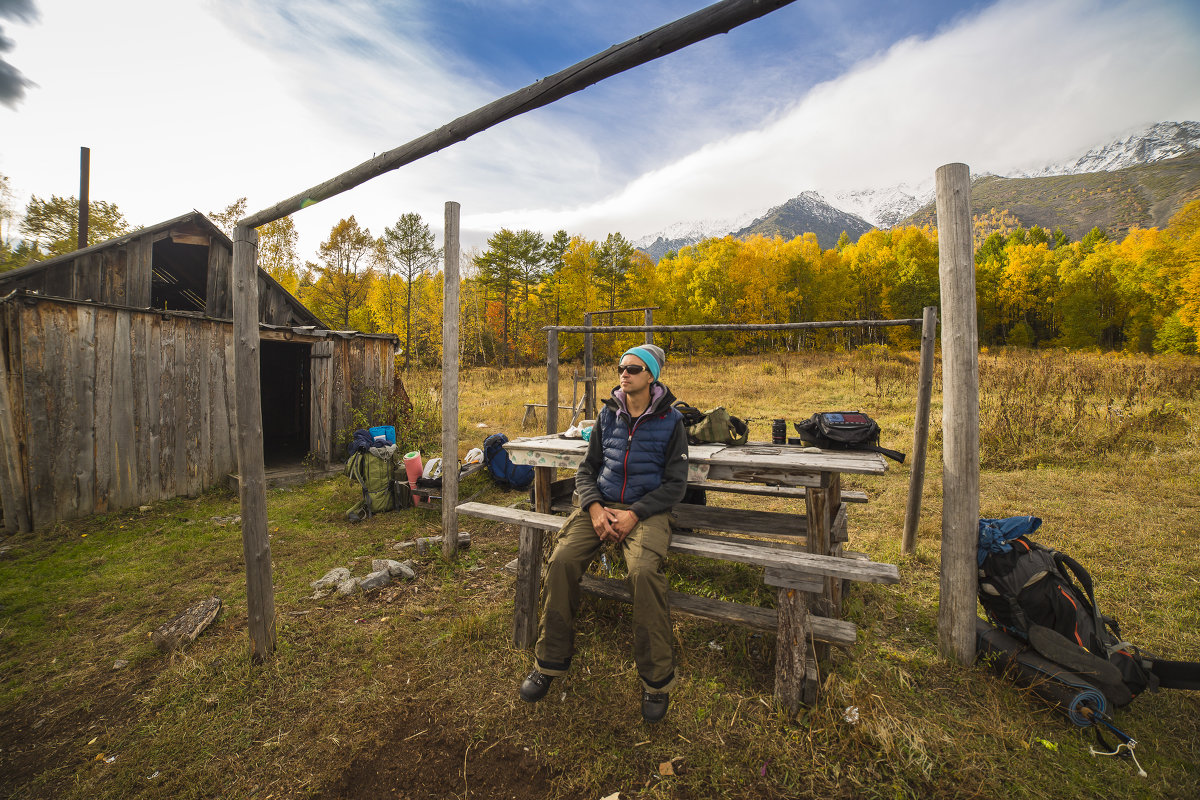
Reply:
x=501, y=467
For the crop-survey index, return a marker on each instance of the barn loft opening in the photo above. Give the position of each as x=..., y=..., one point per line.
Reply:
x=284, y=377
x=180, y=280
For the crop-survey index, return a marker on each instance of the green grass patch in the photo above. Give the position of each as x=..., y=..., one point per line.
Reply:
x=413, y=688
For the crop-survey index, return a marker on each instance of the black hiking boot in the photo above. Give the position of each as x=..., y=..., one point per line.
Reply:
x=535, y=686
x=654, y=705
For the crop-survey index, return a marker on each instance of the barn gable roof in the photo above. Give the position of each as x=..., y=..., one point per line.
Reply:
x=17, y=277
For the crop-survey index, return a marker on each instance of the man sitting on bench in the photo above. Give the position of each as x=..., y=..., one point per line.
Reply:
x=635, y=471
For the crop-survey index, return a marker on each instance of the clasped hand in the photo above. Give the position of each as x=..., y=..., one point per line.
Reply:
x=612, y=524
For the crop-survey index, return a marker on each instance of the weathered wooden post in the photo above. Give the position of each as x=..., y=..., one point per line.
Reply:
x=552, y=382
x=260, y=593
x=450, y=286
x=649, y=322
x=916, y=481
x=960, y=414
x=589, y=372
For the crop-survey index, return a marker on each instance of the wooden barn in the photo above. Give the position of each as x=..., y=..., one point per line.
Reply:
x=116, y=375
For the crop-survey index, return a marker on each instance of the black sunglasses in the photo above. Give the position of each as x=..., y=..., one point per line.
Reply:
x=632, y=369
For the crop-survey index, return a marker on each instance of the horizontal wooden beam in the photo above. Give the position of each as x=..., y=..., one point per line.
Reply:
x=739, y=520
x=732, y=326
x=802, y=563
x=717, y=18
x=513, y=516
x=796, y=492
x=824, y=629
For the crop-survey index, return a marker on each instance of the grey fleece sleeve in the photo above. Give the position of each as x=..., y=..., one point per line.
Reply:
x=674, y=482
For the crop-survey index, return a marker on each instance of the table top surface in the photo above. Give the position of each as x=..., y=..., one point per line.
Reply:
x=552, y=450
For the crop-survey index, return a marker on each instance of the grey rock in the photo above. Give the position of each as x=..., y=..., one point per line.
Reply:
x=348, y=586
x=376, y=580
x=120, y=663
x=331, y=578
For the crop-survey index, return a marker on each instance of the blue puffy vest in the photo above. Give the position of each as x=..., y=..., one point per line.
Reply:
x=633, y=461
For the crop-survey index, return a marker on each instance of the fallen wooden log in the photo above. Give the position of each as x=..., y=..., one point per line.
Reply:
x=187, y=626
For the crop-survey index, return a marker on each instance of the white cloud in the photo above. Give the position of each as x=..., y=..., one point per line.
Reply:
x=1019, y=85
x=192, y=103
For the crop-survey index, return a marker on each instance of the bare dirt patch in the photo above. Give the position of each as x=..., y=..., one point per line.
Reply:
x=47, y=738
x=422, y=759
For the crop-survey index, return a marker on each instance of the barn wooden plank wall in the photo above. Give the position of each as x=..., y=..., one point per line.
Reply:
x=120, y=407
x=112, y=407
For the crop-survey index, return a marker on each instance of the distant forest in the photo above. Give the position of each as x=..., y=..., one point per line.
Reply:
x=1036, y=288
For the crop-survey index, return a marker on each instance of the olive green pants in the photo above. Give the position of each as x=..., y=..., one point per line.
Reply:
x=645, y=549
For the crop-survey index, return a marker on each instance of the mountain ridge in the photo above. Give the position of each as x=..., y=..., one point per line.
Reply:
x=1146, y=199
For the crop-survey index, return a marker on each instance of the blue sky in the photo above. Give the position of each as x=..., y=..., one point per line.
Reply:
x=192, y=103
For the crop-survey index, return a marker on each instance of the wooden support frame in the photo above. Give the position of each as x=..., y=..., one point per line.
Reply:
x=718, y=18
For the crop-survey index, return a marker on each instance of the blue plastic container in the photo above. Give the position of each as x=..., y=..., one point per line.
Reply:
x=387, y=431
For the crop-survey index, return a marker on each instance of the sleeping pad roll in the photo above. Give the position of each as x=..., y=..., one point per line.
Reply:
x=1065, y=691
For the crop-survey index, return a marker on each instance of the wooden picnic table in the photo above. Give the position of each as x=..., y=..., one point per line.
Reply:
x=802, y=586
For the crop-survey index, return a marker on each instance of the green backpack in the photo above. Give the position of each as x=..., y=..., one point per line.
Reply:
x=717, y=426
x=374, y=473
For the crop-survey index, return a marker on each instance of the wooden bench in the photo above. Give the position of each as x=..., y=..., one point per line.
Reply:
x=795, y=574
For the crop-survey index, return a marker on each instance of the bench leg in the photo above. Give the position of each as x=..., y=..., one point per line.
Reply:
x=793, y=685
x=529, y=565
x=822, y=505
x=529, y=580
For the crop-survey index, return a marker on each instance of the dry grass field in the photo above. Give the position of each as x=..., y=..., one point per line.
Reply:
x=410, y=692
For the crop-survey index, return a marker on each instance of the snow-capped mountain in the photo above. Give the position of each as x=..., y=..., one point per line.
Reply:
x=682, y=234
x=807, y=212
x=884, y=207
x=1156, y=143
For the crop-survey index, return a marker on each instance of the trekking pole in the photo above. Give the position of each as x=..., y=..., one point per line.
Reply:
x=1127, y=742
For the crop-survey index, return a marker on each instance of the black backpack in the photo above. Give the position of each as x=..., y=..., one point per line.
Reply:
x=1045, y=598
x=844, y=430
x=500, y=466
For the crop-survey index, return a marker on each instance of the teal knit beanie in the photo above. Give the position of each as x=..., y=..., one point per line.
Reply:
x=651, y=355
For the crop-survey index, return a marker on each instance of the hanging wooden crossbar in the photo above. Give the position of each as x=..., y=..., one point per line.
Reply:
x=717, y=18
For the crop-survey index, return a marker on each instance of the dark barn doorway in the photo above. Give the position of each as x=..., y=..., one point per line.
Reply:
x=285, y=379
